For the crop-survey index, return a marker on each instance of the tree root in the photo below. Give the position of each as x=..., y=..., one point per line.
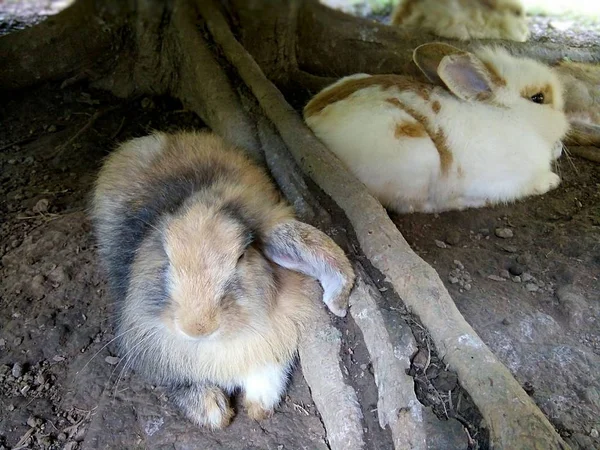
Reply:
x=513, y=419
x=589, y=153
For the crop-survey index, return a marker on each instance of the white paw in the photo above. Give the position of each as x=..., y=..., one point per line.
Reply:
x=546, y=183
x=263, y=390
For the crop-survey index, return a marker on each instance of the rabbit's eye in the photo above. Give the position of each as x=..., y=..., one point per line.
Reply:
x=538, y=98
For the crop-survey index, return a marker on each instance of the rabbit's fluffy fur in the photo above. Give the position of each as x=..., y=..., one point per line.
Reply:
x=465, y=19
x=199, y=247
x=475, y=137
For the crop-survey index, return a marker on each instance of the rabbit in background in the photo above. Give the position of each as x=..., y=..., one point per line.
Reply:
x=213, y=276
x=465, y=19
x=485, y=130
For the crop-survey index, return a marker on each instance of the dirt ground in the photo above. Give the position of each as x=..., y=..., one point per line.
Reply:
x=526, y=277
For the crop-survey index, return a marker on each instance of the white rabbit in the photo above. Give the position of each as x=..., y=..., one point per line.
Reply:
x=465, y=19
x=488, y=134
x=198, y=246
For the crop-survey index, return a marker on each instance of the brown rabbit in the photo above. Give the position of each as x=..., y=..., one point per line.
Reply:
x=199, y=247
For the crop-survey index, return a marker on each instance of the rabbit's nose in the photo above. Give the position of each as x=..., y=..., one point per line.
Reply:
x=198, y=327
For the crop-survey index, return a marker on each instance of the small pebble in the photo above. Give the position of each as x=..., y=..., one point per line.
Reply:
x=25, y=389
x=452, y=280
x=531, y=287
x=51, y=128
x=495, y=278
x=504, y=273
x=363, y=367
x=453, y=237
x=505, y=321
x=41, y=206
x=34, y=422
x=12, y=161
x=467, y=286
x=17, y=370
x=504, y=233
x=458, y=264
x=509, y=248
x=526, y=277
x=594, y=433
x=58, y=358
x=516, y=269
x=516, y=279
x=441, y=244
x=11, y=407
x=524, y=259
x=18, y=341
x=2, y=342
x=112, y=360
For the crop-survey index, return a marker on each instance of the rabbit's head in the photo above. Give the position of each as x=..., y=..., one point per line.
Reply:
x=527, y=89
x=219, y=282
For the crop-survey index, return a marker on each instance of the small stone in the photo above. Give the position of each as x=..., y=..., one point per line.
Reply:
x=594, y=433
x=445, y=381
x=58, y=358
x=504, y=233
x=17, y=370
x=113, y=360
x=526, y=277
x=467, y=286
x=495, y=278
x=453, y=237
x=71, y=445
x=516, y=269
x=147, y=103
x=28, y=160
x=452, y=280
x=459, y=264
x=516, y=279
x=440, y=244
x=528, y=387
x=505, y=321
x=505, y=274
x=420, y=359
x=484, y=231
x=531, y=287
x=2, y=342
x=524, y=259
x=363, y=367
x=4, y=369
x=62, y=437
x=18, y=341
x=25, y=390
x=34, y=422
x=41, y=206
x=12, y=162
x=508, y=248
x=51, y=128
x=10, y=407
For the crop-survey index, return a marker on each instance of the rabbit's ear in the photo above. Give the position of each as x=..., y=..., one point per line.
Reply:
x=303, y=248
x=466, y=77
x=427, y=58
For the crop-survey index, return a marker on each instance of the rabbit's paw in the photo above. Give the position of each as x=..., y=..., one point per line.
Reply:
x=263, y=390
x=205, y=405
x=546, y=183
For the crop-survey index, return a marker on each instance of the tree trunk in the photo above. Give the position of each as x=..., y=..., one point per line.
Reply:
x=232, y=65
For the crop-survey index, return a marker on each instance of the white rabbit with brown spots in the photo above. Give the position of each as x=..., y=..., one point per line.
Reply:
x=210, y=270
x=465, y=19
x=487, y=129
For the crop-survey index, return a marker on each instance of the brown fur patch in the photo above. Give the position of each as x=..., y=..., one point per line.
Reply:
x=530, y=91
x=408, y=129
x=437, y=137
x=404, y=10
x=344, y=90
x=436, y=106
x=495, y=77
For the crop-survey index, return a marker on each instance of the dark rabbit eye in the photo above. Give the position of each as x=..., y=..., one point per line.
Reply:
x=538, y=98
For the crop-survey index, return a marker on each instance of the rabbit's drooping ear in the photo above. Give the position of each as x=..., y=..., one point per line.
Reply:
x=303, y=248
x=466, y=77
x=427, y=58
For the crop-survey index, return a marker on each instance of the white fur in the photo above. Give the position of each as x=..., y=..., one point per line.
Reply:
x=265, y=386
x=465, y=19
x=501, y=151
